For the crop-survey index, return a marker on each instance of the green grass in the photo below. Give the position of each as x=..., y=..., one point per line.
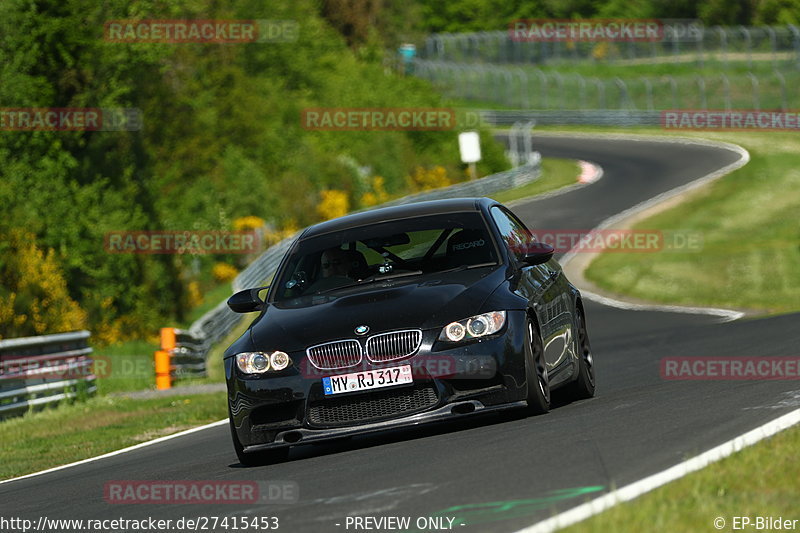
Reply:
x=126, y=366
x=211, y=299
x=758, y=481
x=556, y=173
x=74, y=431
x=748, y=222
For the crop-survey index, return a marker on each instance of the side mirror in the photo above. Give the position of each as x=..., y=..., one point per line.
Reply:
x=537, y=253
x=247, y=301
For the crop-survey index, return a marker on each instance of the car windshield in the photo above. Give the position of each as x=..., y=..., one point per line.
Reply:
x=392, y=249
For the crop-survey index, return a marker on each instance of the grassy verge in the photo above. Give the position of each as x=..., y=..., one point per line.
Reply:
x=211, y=299
x=127, y=366
x=758, y=481
x=556, y=173
x=71, y=432
x=747, y=223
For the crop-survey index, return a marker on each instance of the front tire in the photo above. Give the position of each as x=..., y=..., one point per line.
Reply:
x=584, y=385
x=538, y=396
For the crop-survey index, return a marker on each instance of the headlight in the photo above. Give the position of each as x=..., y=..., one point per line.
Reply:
x=260, y=362
x=476, y=326
x=279, y=360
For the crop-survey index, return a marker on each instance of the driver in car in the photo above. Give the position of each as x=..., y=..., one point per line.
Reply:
x=338, y=267
x=334, y=262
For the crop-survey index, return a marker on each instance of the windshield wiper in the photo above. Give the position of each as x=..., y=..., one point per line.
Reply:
x=464, y=267
x=372, y=279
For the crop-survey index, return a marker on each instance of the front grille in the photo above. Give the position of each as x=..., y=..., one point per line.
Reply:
x=335, y=355
x=372, y=406
x=394, y=345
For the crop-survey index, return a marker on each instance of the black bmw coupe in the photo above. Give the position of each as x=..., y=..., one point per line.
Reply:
x=401, y=316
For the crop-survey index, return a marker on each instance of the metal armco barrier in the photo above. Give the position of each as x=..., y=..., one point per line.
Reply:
x=181, y=355
x=599, y=118
x=35, y=371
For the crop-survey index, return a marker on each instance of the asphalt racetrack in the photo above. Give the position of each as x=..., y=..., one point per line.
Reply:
x=494, y=472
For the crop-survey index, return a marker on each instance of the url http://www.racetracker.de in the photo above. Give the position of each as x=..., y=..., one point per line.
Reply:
x=199, y=523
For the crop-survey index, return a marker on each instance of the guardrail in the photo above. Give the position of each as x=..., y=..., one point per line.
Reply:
x=608, y=117
x=217, y=323
x=181, y=355
x=35, y=371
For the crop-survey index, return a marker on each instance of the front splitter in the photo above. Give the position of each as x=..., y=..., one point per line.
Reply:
x=452, y=411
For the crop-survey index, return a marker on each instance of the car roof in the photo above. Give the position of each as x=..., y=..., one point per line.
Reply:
x=383, y=214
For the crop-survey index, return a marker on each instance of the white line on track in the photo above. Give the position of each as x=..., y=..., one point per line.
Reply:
x=120, y=452
x=636, y=489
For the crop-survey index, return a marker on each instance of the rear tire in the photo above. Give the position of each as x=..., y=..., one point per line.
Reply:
x=584, y=385
x=264, y=457
x=538, y=396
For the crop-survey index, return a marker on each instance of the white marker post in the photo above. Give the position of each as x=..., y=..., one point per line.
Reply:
x=469, y=144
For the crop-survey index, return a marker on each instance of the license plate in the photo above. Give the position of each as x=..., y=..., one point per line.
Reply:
x=369, y=379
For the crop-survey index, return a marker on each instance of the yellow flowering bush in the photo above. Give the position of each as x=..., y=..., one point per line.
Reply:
x=34, y=299
x=377, y=195
x=426, y=179
x=193, y=295
x=223, y=272
x=600, y=51
x=248, y=223
x=334, y=203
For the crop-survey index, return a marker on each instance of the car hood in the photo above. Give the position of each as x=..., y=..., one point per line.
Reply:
x=428, y=301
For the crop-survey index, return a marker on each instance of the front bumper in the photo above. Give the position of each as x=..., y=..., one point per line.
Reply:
x=446, y=412
x=452, y=381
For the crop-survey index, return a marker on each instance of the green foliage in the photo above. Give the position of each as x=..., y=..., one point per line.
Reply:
x=490, y=15
x=221, y=137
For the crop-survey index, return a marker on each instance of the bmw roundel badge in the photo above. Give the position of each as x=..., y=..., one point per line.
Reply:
x=362, y=330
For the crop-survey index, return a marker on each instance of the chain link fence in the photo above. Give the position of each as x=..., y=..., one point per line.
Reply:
x=533, y=88
x=779, y=45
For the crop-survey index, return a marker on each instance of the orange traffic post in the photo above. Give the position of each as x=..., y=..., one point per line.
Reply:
x=163, y=378
x=168, y=339
x=163, y=375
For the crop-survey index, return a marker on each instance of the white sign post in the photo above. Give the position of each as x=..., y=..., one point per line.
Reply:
x=469, y=144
